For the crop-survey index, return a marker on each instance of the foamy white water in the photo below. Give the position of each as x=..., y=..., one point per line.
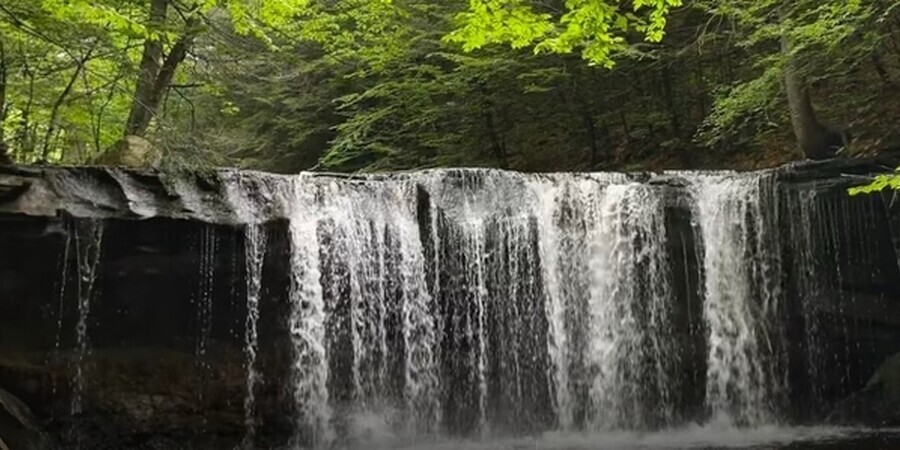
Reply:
x=742, y=377
x=307, y=321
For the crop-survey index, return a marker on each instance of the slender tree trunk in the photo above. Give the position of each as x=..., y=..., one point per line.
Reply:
x=669, y=96
x=626, y=128
x=812, y=135
x=26, y=137
x=97, y=119
x=496, y=140
x=497, y=146
x=704, y=107
x=882, y=72
x=579, y=107
x=4, y=154
x=154, y=96
x=151, y=64
x=591, y=130
x=57, y=105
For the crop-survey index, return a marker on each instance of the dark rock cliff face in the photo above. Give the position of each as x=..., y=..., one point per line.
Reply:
x=123, y=303
x=877, y=403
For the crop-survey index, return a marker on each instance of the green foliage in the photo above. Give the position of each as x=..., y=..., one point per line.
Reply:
x=828, y=37
x=598, y=27
x=880, y=183
x=347, y=85
x=72, y=65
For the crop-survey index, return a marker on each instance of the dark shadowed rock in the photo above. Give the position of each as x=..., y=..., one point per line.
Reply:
x=18, y=428
x=878, y=403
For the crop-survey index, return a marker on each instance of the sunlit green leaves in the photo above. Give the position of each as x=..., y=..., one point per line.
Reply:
x=74, y=64
x=512, y=22
x=598, y=28
x=880, y=183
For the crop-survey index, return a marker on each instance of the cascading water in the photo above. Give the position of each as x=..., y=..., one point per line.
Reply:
x=742, y=299
x=88, y=247
x=579, y=261
x=307, y=322
x=809, y=274
x=363, y=323
x=203, y=299
x=61, y=304
x=254, y=254
x=603, y=248
x=836, y=247
x=550, y=294
x=480, y=303
x=628, y=312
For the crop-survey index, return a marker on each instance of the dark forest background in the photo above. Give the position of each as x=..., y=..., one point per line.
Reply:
x=292, y=85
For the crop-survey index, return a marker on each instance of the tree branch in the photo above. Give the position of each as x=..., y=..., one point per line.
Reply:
x=54, y=112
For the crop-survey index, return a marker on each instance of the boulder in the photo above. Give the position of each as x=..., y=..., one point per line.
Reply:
x=132, y=151
x=877, y=404
x=18, y=428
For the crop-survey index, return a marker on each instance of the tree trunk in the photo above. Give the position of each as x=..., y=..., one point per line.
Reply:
x=151, y=64
x=4, y=154
x=814, y=139
x=591, y=131
x=497, y=146
x=163, y=81
x=57, y=105
x=882, y=72
x=669, y=97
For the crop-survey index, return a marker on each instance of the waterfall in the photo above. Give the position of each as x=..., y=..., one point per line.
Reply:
x=204, y=294
x=482, y=303
x=810, y=279
x=479, y=302
x=88, y=249
x=608, y=302
x=742, y=295
x=307, y=321
x=363, y=325
x=203, y=301
x=489, y=291
x=60, y=307
x=628, y=311
x=254, y=255
x=554, y=290
x=445, y=307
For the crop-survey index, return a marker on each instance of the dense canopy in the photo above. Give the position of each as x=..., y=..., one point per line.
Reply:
x=346, y=85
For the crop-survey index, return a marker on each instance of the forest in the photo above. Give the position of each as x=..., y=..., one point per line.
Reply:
x=220, y=227
x=367, y=85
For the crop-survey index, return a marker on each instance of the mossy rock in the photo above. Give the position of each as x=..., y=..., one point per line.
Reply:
x=132, y=151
